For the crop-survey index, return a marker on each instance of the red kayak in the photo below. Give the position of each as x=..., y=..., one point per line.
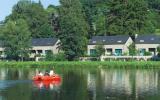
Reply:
x=47, y=78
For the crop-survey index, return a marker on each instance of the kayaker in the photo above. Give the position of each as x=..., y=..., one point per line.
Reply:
x=51, y=73
x=46, y=73
x=40, y=73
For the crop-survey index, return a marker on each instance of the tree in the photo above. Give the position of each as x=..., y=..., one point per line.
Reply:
x=127, y=17
x=100, y=50
x=132, y=49
x=73, y=29
x=49, y=56
x=36, y=17
x=158, y=50
x=17, y=39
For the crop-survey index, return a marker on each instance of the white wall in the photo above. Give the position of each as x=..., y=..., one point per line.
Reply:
x=124, y=47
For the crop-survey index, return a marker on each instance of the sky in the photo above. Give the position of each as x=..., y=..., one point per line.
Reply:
x=6, y=6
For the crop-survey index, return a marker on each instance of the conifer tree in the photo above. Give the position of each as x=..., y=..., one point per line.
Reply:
x=73, y=29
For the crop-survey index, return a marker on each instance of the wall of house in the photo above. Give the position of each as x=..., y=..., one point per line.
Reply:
x=124, y=47
x=129, y=42
x=147, y=46
x=1, y=49
x=120, y=46
x=54, y=48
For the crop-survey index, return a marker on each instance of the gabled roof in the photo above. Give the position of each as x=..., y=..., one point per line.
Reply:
x=109, y=40
x=147, y=39
x=44, y=41
x=40, y=42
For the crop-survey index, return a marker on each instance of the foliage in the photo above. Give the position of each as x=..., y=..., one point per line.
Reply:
x=49, y=56
x=158, y=50
x=132, y=49
x=125, y=17
x=100, y=50
x=35, y=16
x=60, y=57
x=87, y=64
x=73, y=29
x=55, y=57
x=17, y=39
x=147, y=53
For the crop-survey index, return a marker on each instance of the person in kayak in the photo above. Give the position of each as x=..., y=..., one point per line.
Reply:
x=40, y=73
x=51, y=73
x=46, y=73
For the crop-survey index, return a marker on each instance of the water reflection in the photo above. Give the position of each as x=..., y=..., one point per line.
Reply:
x=130, y=82
x=81, y=84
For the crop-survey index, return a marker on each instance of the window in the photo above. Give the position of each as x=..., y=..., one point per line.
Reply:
x=94, y=42
x=92, y=52
x=109, y=51
x=33, y=51
x=118, y=52
x=119, y=41
x=39, y=51
x=142, y=51
x=141, y=40
x=47, y=51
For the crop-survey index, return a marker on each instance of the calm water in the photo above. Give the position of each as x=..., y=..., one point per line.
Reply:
x=82, y=84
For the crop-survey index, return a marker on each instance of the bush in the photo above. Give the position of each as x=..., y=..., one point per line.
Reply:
x=49, y=56
x=55, y=57
x=147, y=53
x=60, y=57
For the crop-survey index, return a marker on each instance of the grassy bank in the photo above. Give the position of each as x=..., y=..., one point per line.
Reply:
x=115, y=64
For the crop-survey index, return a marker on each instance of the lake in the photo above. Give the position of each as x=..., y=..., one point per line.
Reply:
x=81, y=84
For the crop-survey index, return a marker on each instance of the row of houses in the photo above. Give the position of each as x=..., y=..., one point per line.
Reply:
x=114, y=45
x=118, y=45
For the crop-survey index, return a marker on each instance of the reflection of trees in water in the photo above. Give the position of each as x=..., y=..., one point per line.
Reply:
x=146, y=82
x=17, y=92
x=91, y=86
x=126, y=82
x=116, y=81
x=74, y=86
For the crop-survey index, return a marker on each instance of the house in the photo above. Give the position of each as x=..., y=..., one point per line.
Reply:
x=40, y=46
x=114, y=45
x=147, y=43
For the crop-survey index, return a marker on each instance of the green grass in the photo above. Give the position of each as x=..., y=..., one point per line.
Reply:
x=107, y=64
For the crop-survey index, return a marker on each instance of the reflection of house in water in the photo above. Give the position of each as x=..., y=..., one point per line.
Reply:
x=116, y=81
x=91, y=85
x=3, y=73
x=146, y=82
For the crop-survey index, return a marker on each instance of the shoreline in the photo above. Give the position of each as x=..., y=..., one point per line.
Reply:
x=87, y=64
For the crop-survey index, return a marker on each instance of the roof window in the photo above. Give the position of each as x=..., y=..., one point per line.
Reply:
x=141, y=40
x=93, y=41
x=152, y=39
x=120, y=41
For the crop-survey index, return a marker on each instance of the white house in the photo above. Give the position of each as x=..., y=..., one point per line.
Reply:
x=114, y=45
x=147, y=43
x=40, y=46
x=43, y=45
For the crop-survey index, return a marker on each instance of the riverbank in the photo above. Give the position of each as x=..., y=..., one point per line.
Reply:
x=107, y=64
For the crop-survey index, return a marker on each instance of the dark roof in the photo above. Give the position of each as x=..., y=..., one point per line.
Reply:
x=147, y=39
x=44, y=41
x=40, y=42
x=108, y=40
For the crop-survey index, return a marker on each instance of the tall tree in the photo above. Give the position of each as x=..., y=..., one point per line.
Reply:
x=35, y=15
x=17, y=39
x=73, y=29
x=127, y=17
